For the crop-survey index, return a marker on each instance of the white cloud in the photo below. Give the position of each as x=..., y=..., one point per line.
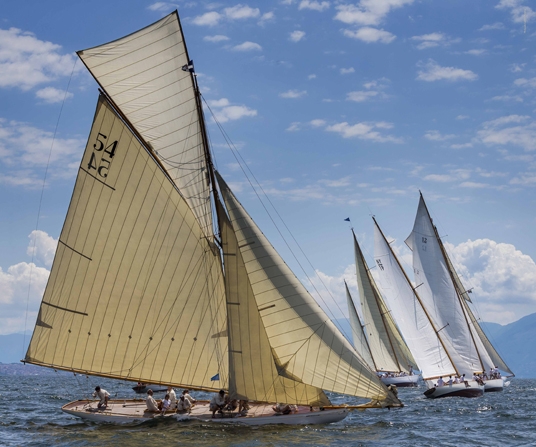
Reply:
x=211, y=18
x=344, y=71
x=493, y=26
x=432, y=71
x=374, y=89
x=516, y=68
x=52, y=95
x=296, y=36
x=518, y=10
x=217, y=38
x=313, y=5
x=361, y=96
x=293, y=94
x=162, y=6
x=476, y=52
x=317, y=123
x=266, y=17
x=240, y=12
x=368, y=12
x=26, y=61
x=247, y=46
x=454, y=175
x=370, y=35
x=24, y=150
x=363, y=131
x=503, y=278
x=224, y=111
x=507, y=98
x=42, y=247
x=434, y=135
x=433, y=40
x=311, y=76
x=523, y=82
x=512, y=130
x=294, y=127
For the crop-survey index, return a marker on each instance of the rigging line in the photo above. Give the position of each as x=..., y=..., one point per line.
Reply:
x=238, y=158
x=41, y=203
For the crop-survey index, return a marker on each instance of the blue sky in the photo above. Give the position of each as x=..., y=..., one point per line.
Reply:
x=340, y=109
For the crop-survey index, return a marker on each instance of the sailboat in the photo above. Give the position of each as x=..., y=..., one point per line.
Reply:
x=378, y=339
x=162, y=277
x=433, y=350
x=447, y=299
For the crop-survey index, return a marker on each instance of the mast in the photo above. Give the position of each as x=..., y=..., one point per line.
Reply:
x=442, y=248
x=430, y=320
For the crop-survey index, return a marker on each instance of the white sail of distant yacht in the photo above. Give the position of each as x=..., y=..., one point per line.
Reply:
x=156, y=279
x=434, y=353
x=378, y=338
x=444, y=294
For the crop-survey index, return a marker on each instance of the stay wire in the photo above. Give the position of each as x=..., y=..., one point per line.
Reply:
x=41, y=203
x=239, y=158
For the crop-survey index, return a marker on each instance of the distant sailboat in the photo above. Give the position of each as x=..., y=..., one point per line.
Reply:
x=433, y=350
x=447, y=299
x=161, y=276
x=378, y=339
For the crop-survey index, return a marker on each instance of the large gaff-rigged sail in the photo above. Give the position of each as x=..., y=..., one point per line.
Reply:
x=306, y=345
x=136, y=291
x=252, y=369
x=388, y=349
x=428, y=349
x=147, y=75
x=440, y=295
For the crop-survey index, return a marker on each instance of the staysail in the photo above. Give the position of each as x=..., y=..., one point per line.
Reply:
x=306, y=345
x=387, y=346
x=429, y=350
x=148, y=76
x=136, y=291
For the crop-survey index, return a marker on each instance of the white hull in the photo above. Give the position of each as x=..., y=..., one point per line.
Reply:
x=493, y=385
x=469, y=389
x=402, y=381
x=134, y=412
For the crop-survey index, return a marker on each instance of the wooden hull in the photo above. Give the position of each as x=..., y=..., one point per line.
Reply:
x=403, y=381
x=472, y=389
x=133, y=411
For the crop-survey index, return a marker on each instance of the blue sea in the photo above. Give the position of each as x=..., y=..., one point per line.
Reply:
x=30, y=415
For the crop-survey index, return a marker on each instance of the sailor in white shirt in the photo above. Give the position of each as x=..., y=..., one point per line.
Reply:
x=172, y=396
x=151, y=403
x=440, y=382
x=183, y=405
x=218, y=403
x=103, y=395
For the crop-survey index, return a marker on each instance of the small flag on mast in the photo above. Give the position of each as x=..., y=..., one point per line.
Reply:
x=189, y=66
x=216, y=377
x=347, y=219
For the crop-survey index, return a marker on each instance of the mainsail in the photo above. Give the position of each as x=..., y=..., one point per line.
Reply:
x=429, y=349
x=141, y=287
x=136, y=291
x=387, y=347
x=433, y=266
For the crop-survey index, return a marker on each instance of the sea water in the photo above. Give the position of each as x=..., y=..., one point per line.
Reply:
x=30, y=415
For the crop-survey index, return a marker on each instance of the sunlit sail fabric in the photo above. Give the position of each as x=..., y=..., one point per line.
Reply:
x=358, y=335
x=438, y=292
x=143, y=74
x=429, y=351
x=252, y=370
x=307, y=346
x=136, y=291
x=381, y=338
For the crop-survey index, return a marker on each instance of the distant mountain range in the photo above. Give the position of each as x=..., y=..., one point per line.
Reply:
x=514, y=342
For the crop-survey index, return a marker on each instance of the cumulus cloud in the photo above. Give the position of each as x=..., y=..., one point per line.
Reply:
x=225, y=111
x=162, y=6
x=370, y=35
x=500, y=274
x=344, y=71
x=26, y=61
x=431, y=71
x=241, y=12
x=518, y=10
x=211, y=18
x=42, y=247
x=52, y=95
x=493, y=26
x=373, y=89
x=217, y=38
x=454, y=175
x=433, y=40
x=434, y=135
